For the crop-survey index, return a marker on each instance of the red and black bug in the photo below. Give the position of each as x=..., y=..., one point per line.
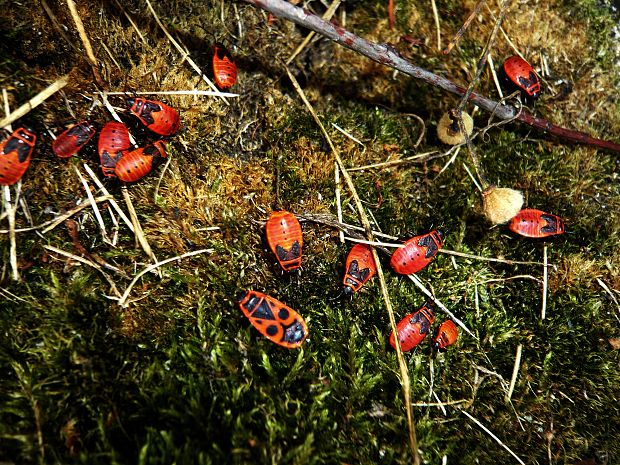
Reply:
x=285, y=239
x=417, y=252
x=414, y=327
x=113, y=140
x=15, y=153
x=157, y=116
x=447, y=333
x=136, y=164
x=530, y=222
x=520, y=73
x=360, y=267
x=224, y=67
x=276, y=321
x=73, y=139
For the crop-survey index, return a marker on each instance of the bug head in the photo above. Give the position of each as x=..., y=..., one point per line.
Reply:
x=241, y=295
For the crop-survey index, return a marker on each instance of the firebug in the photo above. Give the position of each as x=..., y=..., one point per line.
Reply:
x=15, y=153
x=530, y=222
x=157, y=116
x=285, y=239
x=417, y=252
x=413, y=328
x=276, y=321
x=70, y=141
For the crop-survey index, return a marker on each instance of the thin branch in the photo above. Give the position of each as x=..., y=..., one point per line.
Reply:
x=383, y=54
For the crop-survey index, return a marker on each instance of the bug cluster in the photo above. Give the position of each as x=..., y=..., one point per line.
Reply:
x=287, y=328
x=116, y=156
x=284, y=326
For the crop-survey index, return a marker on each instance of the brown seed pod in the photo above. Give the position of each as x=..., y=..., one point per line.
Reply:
x=500, y=204
x=448, y=129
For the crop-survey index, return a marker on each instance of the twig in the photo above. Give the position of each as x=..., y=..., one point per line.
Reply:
x=123, y=300
x=84, y=37
x=391, y=14
x=385, y=55
x=35, y=101
x=486, y=430
x=515, y=373
x=364, y=219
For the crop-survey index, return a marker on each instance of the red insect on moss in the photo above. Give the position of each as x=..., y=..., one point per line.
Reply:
x=157, y=116
x=360, y=267
x=520, y=74
x=413, y=328
x=15, y=153
x=447, y=334
x=530, y=222
x=113, y=141
x=136, y=164
x=275, y=320
x=417, y=252
x=224, y=67
x=285, y=239
x=70, y=141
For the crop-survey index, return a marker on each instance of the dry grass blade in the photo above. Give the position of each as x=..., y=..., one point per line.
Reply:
x=51, y=224
x=338, y=202
x=423, y=157
x=404, y=372
x=11, y=210
x=613, y=297
x=35, y=101
x=137, y=227
x=437, y=24
x=428, y=293
x=515, y=373
x=327, y=16
x=175, y=92
x=131, y=21
x=498, y=440
x=85, y=41
x=85, y=262
x=464, y=27
x=349, y=136
x=123, y=300
x=191, y=62
x=93, y=204
x=543, y=311
x=113, y=202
